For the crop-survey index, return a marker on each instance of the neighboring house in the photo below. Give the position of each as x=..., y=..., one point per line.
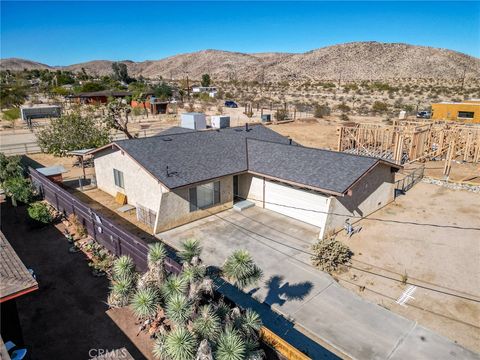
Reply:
x=183, y=175
x=152, y=104
x=98, y=97
x=466, y=111
x=15, y=281
x=210, y=90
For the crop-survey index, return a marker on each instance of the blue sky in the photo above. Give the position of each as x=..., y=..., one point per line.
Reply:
x=60, y=33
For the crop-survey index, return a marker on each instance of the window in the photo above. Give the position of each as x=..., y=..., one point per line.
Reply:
x=118, y=177
x=466, y=114
x=204, y=196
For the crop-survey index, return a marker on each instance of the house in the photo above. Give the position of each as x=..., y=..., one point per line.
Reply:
x=466, y=111
x=15, y=281
x=98, y=97
x=183, y=175
x=210, y=90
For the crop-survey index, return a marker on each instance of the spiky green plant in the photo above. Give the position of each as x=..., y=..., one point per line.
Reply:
x=250, y=323
x=252, y=350
x=222, y=310
x=145, y=303
x=121, y=290
x=193, y=273
x=190, y=248
x=157, y=253
x=178, y=344
x=240, y=269
x=207, y=325
x=178, y=309
x=230, y=346
x=123, y=267
x=174, y=285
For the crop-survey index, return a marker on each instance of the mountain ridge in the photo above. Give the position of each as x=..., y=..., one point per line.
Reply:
x=350, y=61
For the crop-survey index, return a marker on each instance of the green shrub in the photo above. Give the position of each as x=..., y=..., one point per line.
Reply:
x=321, y=111
x=11, y=114
x=39, y=211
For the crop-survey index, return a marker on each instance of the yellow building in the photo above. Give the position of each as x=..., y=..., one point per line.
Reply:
x=466, y=111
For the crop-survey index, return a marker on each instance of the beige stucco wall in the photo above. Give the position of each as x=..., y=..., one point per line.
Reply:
x=174, y=209
x=373, y=191
x=140, y=187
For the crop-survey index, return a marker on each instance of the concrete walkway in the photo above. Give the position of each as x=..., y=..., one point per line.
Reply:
x=310, y=299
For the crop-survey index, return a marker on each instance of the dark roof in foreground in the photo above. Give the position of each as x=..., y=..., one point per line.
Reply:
x=196, y=156
x=322, y=169
x=15, y=279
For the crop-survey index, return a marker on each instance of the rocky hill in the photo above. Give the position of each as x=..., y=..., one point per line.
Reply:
x=351, y=61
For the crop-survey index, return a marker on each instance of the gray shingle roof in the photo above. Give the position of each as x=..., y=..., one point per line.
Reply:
x=323, y=169
x=14, y=276
x=195, y=156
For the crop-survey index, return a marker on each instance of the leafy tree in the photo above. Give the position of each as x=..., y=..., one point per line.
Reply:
x=206, y=81
x=163, y=91
x=19, y=189
x=64, y=78
x=12, y=95
x=120, y=72
x=72, y=132
x=10, y=167
x=241, y=269
x=92, y=86
x=58, y=90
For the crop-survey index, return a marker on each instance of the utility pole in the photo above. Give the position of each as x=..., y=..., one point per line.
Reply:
x=188, y=88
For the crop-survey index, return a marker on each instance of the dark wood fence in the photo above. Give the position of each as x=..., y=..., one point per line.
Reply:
x=104, y=231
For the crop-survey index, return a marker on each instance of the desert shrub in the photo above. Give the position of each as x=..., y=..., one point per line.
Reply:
x=19, y=189
x=321, y=111
x=41, y=212
x=329, y=254
x=344, y=117
x=379, y=106
x=281, y=114
x=78, y=226
x=344, y=108
x=11, y=114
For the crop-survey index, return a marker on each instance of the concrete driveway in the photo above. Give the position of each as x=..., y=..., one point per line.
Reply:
x=310, y=298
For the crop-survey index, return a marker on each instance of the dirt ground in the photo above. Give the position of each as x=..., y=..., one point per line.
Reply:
x=66, y=317
x=441, y=260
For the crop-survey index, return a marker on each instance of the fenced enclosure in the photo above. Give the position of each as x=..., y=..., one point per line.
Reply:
x=405, y=184
x=110, y=235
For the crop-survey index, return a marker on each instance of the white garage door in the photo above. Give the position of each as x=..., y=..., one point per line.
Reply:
x=291, y=202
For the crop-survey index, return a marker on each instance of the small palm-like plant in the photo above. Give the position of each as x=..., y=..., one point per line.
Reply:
x=145, y=303
x=121, y=290
x=240, y=269
x=230, y=346
x=190, y=248
x=123, y=267
x=157, y=253
x=250, y=323
x=207, y=325
x=174, y=285
x=178, y=309
x=193, y=273
x=178, y=344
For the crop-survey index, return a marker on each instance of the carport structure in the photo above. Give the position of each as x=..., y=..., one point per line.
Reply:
x=318, y=306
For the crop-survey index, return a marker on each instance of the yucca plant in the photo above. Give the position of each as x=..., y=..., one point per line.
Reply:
x=253, y=352
x=123, y=267
x=250, y=323
x=145, y=303
x=240, y=269
x=207, y=325
x=222, y=310
x=178, y=309
x=230, y=346
x=193, y=273
x=156, y=253
x=155, y=275
x=190, y=248
x=178, y=344
x=121, y=290
x=174, y=285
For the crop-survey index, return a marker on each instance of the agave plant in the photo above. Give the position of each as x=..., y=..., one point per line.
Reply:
x=174, y=285
x=240, y=269
x=207, y=325
x=178, y=344
x=178, y=309
x=230, y=345
x=123, y=267
x=145, y=303
x=190, y=249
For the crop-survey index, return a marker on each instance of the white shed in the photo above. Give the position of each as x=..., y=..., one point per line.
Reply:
x=220, y=121
x=194, y=120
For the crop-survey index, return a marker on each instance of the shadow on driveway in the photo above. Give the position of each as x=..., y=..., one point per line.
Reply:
x=66, y=317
